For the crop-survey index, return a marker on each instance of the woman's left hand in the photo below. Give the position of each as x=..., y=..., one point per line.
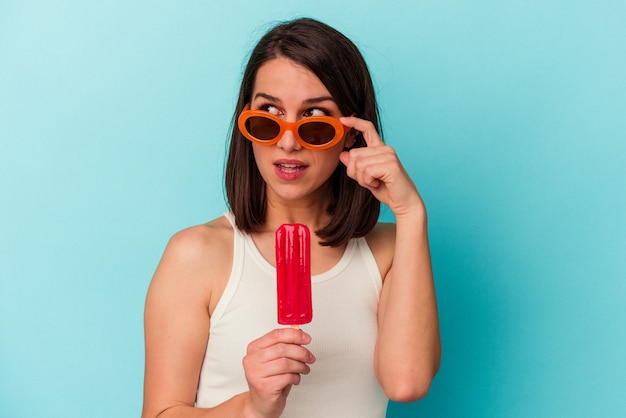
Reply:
x=378, y=169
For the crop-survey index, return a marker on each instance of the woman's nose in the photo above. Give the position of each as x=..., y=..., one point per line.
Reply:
x=288, y=142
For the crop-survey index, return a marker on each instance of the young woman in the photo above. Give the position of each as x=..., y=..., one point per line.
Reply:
x=305, y=148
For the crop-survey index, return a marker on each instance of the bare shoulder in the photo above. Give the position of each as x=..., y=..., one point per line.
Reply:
x=381, y=241
x=197, y=260
x=197, y=243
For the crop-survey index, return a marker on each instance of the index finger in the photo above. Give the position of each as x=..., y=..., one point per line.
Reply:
x=281, y=335
x=367, y=128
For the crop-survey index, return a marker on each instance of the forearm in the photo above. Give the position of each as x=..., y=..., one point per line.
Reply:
x=237, y=406
x=408, y=348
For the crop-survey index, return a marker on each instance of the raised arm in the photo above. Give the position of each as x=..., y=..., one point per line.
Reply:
x=408, y=347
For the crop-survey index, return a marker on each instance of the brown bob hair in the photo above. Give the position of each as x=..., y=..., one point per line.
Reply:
x=339, y=65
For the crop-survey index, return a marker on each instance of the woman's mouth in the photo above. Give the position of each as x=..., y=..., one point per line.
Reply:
x=289, y=170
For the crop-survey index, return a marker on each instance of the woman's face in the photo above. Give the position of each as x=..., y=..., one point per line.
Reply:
x=292, y=172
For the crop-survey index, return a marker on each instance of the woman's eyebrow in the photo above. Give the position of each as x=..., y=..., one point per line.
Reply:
x=310, y=101
x=267, y=96
x=315, y=100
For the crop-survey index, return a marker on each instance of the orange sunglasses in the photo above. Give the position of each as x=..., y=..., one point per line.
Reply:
x=315, y=132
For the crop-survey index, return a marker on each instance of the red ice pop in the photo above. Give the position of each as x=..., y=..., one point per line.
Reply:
x=293, y=274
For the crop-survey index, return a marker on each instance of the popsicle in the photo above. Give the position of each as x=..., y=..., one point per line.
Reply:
x=293, y=274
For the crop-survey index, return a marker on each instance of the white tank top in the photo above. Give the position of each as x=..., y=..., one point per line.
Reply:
x=342, y=382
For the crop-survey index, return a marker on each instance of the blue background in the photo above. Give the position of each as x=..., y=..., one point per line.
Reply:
x=510, y=117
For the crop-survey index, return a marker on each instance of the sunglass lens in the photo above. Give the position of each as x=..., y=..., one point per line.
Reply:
x=261, y=128
x=317, y=133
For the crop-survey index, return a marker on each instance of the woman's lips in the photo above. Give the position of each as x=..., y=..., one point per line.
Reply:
x=289, y=170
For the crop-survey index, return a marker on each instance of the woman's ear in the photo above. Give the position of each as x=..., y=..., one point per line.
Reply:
x=350, y=138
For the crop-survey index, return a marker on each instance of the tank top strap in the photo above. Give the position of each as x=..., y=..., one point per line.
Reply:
x=239, y=241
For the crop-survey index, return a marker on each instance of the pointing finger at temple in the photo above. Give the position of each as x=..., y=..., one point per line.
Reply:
x=367, y=128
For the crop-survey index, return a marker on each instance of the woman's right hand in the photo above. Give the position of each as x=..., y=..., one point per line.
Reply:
x=273, y=364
